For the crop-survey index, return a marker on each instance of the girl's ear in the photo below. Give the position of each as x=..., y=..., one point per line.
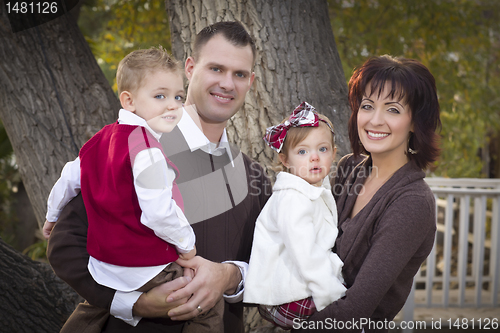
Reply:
x=127, y=101
x=283, y=159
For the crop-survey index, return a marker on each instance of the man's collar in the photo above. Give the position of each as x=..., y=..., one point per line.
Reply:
x=126, y=117
x=196, y=139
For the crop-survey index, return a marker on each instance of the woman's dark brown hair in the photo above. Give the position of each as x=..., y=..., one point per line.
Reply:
x=410, y=82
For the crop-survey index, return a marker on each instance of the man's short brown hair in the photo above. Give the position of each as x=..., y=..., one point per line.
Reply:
x=233, y=31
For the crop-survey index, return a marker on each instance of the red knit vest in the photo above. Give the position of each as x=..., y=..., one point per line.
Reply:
x=115, y=234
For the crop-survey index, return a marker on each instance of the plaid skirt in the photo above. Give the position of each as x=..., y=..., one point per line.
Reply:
x=283, y=315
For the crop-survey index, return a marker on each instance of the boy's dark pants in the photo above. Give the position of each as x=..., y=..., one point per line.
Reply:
x=90, y=319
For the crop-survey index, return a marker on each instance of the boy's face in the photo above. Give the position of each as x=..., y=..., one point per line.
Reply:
x=159, y=100
x=219, y=79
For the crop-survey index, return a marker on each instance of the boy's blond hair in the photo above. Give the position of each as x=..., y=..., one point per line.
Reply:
x=137, y=64
x=296, y=135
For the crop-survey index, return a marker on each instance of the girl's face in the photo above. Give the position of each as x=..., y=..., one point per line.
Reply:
x=384, y=124
x=313, y=157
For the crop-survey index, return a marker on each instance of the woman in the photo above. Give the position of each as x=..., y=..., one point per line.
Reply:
x=386, y=210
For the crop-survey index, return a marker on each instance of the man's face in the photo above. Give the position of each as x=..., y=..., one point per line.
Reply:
x=219, y=79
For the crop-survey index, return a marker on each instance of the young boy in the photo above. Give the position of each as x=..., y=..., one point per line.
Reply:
x=137, y=229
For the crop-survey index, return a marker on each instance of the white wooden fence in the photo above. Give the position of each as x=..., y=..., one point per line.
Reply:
x=463, y=269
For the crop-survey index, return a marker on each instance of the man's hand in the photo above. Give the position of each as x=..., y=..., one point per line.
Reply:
x=154, y=302
x=211, y=280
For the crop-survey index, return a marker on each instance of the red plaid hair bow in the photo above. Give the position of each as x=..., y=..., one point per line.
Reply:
x=304, y=115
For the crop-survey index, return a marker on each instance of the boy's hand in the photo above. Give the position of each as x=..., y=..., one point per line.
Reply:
x=210, y=282
x=153, y=303
x=47, y=228
x=189, y=255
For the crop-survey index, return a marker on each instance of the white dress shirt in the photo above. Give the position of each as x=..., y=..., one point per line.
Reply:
x=166, y=220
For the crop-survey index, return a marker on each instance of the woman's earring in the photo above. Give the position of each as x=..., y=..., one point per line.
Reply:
x=411, y=151
x=363, y=150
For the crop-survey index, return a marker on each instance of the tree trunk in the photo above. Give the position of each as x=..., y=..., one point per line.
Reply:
x=53, y=98
x=26, y=226
x=297, y=60
x=32, y=298
x=494, y=151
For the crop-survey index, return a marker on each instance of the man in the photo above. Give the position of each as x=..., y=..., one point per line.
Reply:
x=223, y=192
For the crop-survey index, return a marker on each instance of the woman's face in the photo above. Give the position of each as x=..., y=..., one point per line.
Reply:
x=384, y=124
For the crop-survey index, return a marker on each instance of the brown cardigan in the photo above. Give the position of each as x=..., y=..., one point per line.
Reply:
x=227, y=236
x=382, y=247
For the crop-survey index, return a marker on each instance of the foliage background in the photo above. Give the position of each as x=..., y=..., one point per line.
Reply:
x=114, y=28
x=459, y=40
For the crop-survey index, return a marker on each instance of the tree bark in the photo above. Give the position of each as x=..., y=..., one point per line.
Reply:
x=297, y=60
x=53, y=98
x=32, y=298
x=26, y=226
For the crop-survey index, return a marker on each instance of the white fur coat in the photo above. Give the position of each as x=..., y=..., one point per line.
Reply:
x=291, y=254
